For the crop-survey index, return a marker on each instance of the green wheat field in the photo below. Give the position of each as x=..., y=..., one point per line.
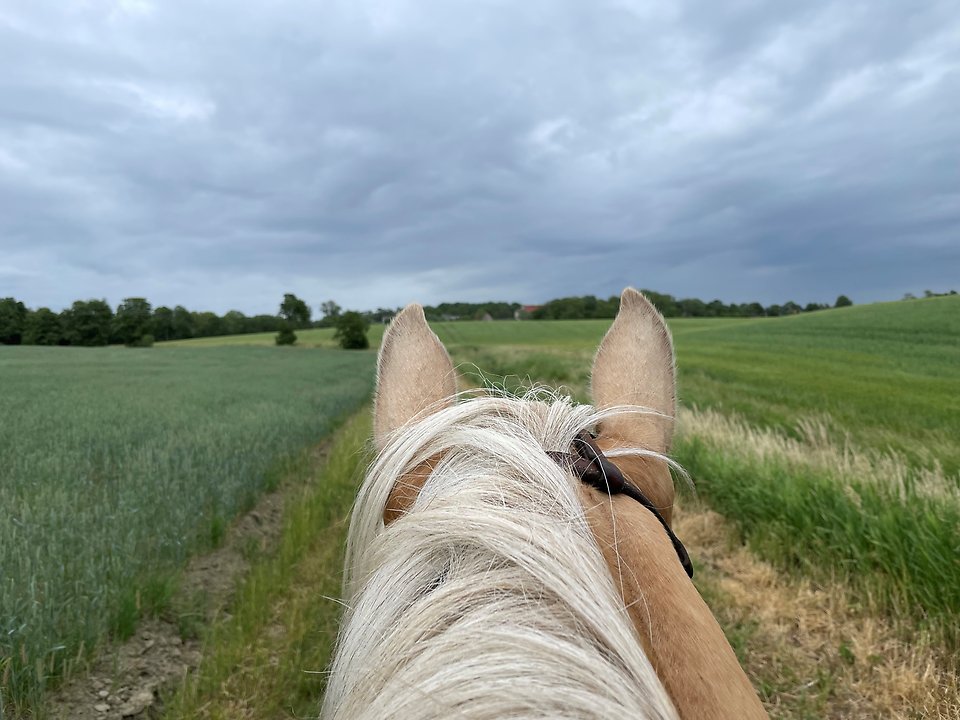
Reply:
x=828, y=439
x=117, y=465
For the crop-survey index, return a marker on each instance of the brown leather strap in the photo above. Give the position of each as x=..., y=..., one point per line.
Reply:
x=595, y=469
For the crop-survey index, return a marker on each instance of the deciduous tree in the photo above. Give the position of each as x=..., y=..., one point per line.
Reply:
x=87, y=323
x=182, y=323
x=331, y=311
x=162, y=326
x=295, y=311
x=42, y=328
x=132, y=321
x=13, y=315
x=234, y=323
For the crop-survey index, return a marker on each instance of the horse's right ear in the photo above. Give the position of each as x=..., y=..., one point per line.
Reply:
x=414, y=374
x=634, y=366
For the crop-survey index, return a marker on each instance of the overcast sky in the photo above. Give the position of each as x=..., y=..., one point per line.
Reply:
x=217, y=154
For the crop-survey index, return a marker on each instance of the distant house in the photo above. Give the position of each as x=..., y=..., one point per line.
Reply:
x=524, y=312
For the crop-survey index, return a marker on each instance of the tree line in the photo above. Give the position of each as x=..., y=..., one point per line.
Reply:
x=588, y=306
x=135, y=322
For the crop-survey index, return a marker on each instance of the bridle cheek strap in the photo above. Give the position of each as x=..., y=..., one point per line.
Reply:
x=595, y=469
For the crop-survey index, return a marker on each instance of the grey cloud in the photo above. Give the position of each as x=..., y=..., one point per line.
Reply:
x=218, y=155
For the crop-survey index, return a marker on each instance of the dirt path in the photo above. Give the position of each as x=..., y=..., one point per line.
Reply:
x=807, y=648
x=127, y=679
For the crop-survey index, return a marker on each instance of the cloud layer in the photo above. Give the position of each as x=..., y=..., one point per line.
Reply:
x=218, y=154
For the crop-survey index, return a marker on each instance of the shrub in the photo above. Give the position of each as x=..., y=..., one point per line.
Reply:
x=352, y=331
x=286, y=336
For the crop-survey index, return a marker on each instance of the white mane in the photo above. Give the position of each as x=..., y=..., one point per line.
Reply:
x=490, y=598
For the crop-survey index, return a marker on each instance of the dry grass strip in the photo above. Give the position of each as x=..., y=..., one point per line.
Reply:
x=809, y=649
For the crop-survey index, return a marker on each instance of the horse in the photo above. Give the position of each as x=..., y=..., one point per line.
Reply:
x=485, y=577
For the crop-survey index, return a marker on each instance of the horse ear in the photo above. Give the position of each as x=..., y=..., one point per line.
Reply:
x=414, y=374
x=634, y=366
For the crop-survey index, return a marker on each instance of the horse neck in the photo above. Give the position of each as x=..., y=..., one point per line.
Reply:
x=487, y=596
x=679, y=633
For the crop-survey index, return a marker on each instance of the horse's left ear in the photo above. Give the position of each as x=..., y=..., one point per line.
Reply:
x=634, y=366
x=414, y=374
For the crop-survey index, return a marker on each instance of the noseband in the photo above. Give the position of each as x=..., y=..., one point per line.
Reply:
x=592, y=467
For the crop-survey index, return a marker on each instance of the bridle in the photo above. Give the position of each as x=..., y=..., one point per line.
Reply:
x=594, y=468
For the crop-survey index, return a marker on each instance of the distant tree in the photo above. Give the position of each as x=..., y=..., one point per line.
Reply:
x=772, y=311
x=295, y=311
x=566, y=308
x=691, y=307
x=589, y=305
x=264, y=323
x=87, y=323
x=162, y=326
x=790, y=308
x=182, y=323
x=754, y=309
x=909, y=296
x=13, y=316
x=286, y=336
x=454, y=311
x=843, y=301
x=352, y=331
x=382, y=315
x=234, y=323
x=666, y=304
x=207, y=324
x=331, y=311
x=42, y=328
x=607, y=309
x=716, y=308
x=132, y=321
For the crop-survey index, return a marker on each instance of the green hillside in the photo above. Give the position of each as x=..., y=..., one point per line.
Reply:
x=888, y=374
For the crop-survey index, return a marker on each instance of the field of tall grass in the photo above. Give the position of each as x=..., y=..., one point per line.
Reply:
x=886, y=529
x=118, y=464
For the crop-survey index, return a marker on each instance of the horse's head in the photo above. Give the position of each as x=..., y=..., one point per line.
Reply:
x=484, y=579
x=633, y=378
